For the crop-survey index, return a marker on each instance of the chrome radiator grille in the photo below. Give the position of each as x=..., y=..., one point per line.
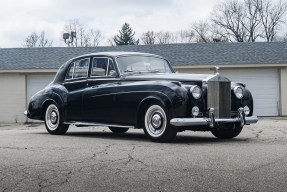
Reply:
x=219, y=96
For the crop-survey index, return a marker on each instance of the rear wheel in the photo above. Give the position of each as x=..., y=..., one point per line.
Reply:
x=54, y=121
x=227, y=131
x=118, y=129
x=156, y=124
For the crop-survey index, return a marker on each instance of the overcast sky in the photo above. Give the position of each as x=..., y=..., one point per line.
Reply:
x=19, y=18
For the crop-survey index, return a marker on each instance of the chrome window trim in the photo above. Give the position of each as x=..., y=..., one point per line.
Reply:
x=74, y=63
x=158, y=57
x=106, y=74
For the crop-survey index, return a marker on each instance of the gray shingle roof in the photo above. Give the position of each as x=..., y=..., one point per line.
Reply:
x=177, y=54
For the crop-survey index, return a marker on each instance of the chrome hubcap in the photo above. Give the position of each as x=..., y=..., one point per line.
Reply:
x=52, y=117
x=155, y=121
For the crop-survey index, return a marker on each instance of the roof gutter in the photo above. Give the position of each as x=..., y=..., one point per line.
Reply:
x=29, y=71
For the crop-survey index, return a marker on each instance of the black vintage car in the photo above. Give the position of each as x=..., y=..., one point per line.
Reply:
x=125, y=90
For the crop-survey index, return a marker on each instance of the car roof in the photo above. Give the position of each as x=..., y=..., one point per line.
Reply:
x=116, y=54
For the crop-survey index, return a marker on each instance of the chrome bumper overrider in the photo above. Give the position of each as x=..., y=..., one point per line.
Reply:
x=210, y=120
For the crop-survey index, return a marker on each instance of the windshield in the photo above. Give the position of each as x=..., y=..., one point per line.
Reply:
x=142, y=64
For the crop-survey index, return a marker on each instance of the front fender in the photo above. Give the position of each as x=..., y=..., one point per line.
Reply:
x=172, y=96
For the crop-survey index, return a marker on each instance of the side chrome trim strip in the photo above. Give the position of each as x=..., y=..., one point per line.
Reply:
x=96, y=124
x=128, y=92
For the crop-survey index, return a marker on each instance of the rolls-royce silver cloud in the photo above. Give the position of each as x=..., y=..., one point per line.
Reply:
x=123, y=90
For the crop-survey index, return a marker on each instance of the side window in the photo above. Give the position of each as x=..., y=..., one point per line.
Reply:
x=78, y=69
x=103, y=66
x=81, y=68
x=71, y=71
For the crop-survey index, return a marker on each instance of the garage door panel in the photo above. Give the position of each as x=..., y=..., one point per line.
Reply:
x=264, y=86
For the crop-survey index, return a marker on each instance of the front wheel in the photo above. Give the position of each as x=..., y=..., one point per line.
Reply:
x=54, y=122
x=156, y=124
x=227, y=132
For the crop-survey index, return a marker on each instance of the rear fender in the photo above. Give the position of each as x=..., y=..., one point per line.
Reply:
x=56, y=99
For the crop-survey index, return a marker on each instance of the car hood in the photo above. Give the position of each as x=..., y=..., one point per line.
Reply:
x=177, y=77
x=173, y=77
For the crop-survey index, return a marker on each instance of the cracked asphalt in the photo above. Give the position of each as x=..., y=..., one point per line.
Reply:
x=94, y=159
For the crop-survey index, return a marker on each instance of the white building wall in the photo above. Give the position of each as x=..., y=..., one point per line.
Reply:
x=12, y=98
x=283, y=90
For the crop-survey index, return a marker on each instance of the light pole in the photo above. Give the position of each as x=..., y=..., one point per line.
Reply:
x=69, y=37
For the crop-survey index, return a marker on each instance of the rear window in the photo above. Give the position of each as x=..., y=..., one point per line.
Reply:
x=78, y=69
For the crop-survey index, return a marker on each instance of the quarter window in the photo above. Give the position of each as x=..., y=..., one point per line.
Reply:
x=103, y=66
x=78, y=69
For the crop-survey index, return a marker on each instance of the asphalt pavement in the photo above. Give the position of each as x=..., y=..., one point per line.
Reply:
x=95, y=159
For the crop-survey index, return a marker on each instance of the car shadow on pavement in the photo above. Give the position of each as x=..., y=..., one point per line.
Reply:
x=131, y=136
x=192, y=139
x=109, y=135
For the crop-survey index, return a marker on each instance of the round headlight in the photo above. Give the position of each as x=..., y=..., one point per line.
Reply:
x=195, y=111
x=238, y=91
x=195, y=91
x=246, y=110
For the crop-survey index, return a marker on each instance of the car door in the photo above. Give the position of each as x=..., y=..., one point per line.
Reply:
x=99, y=95
x=76, y=82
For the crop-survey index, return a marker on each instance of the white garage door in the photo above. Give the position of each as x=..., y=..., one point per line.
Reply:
x=264, y=86
x=36, y=83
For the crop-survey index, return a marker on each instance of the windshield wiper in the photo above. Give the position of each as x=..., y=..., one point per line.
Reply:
x=128, y=72
x=153, y=71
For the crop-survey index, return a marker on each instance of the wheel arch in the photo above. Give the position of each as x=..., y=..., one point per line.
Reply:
x=145, y=103
x=53, y=99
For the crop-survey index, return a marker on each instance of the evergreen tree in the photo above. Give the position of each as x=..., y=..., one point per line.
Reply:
x=126, y=36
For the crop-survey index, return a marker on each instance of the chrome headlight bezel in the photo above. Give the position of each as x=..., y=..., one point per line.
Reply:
x=238, y=92
x=196, y=91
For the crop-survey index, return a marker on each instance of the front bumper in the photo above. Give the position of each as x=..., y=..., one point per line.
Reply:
x=210, y=120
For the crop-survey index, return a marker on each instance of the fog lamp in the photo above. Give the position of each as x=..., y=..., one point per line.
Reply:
x=195, y=111
x=246, y=110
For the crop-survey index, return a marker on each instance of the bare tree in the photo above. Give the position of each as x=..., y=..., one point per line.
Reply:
x=164, y=37
x=184, y=36
x=96, y=37
x=202, y=31
x=271, y=17
x=86, y=36
x=231, y=16
x=252, y=21
x=37, y=40
x=148, y=38
x=249, y=20
x=206, y=32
